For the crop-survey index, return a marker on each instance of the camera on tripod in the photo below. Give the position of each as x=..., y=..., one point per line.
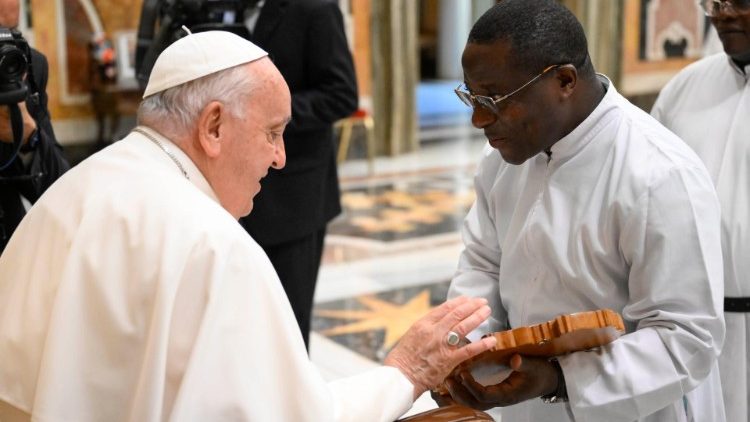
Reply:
x=15, y=62
x=171, y=15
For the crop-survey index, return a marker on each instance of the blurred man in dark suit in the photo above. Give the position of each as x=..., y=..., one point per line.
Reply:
x=306, y=41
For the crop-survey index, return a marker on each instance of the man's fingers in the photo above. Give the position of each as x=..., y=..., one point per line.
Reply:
x=451, y=319
x=442, y=399
x=473, y=321
x=516, y=363
x=441, y=311
x=462, y=396
x=480, y=392
x=501, y=394
x=475, y=348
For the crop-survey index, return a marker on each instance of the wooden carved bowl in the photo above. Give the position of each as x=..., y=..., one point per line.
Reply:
x=564, y=334
x=452, y=413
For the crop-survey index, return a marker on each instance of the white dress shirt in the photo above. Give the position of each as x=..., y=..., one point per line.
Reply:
x=708, y=105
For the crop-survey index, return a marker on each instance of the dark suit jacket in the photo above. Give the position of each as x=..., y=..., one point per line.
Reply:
x=47, y=162
x=306, y=41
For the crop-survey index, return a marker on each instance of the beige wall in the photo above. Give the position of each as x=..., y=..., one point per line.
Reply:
x=75, y=120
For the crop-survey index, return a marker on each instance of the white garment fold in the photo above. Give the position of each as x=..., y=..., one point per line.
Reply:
x=708, y=106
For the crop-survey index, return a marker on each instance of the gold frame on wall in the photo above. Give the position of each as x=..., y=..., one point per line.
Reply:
x=72, y=52
x=642, y=75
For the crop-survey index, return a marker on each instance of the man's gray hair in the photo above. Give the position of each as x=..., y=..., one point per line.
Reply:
x=175, y=111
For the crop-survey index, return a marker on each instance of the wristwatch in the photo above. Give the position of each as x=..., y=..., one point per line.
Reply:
x=560, y=395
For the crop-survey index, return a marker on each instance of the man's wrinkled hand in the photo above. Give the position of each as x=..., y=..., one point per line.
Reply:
x=531, y=378
x=424, y=356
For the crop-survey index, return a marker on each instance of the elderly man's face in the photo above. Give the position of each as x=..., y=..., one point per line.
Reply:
x=9, y=10
x=525, y=124
x=255, y=141
x=734, y=32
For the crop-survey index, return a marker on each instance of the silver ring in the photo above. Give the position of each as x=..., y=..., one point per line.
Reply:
x=452, y=338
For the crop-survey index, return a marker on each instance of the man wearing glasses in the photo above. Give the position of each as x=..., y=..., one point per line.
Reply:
x=587, y=203
x=708, y=105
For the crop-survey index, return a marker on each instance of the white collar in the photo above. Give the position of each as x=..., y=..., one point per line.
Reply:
x=192, y=173
x=743, y=71
x=570, y=144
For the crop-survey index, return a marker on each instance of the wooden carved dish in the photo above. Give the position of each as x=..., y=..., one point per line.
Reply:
x=452, y=413
x=564, y=334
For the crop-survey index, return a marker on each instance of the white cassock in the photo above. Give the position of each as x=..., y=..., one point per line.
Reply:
x=129, y=294
x=708, y=105
x=623, y=216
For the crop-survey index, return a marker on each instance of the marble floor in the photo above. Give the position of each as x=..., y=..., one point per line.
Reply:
x=390, y=256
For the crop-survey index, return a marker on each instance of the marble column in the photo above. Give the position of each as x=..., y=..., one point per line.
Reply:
x=602, y=22
x=453, y=30
x=395, y=71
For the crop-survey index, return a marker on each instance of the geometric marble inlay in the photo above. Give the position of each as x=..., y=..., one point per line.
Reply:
x=403, y=209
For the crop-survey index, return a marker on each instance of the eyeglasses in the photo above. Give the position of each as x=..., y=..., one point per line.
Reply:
x=714, y=8
x=490, y=103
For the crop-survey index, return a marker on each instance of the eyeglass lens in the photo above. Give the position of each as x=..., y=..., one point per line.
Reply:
x=470, y=100
x=715, y=7
x=464, y=96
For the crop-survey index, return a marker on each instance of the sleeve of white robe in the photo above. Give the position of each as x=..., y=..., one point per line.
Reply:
x=663, y=108
x=659, y=110
x=249, y=363
x=672, y=243
x=479, y=263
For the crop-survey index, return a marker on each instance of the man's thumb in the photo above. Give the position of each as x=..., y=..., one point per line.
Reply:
x=516, y=362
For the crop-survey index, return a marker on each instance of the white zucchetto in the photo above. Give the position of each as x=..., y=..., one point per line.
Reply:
x=197, y=55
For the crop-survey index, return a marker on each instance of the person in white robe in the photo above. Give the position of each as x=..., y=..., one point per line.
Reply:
x=131, y=293
x=585, y=202
x=707, y=104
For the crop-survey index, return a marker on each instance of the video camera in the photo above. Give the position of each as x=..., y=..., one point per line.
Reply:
x=171, y=15
x=15, y=62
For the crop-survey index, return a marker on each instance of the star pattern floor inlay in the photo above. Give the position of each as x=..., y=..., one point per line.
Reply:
x=372, y=324
x=390, y=255
x=400, y=209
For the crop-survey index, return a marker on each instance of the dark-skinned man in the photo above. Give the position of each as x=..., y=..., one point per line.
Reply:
x=708, y=106
x=586, y=202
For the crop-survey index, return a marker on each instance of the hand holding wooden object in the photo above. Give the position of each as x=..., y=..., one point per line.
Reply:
x=524, y=355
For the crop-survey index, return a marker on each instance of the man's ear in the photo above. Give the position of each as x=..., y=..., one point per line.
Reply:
x=567, y=78
x=210, y=122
